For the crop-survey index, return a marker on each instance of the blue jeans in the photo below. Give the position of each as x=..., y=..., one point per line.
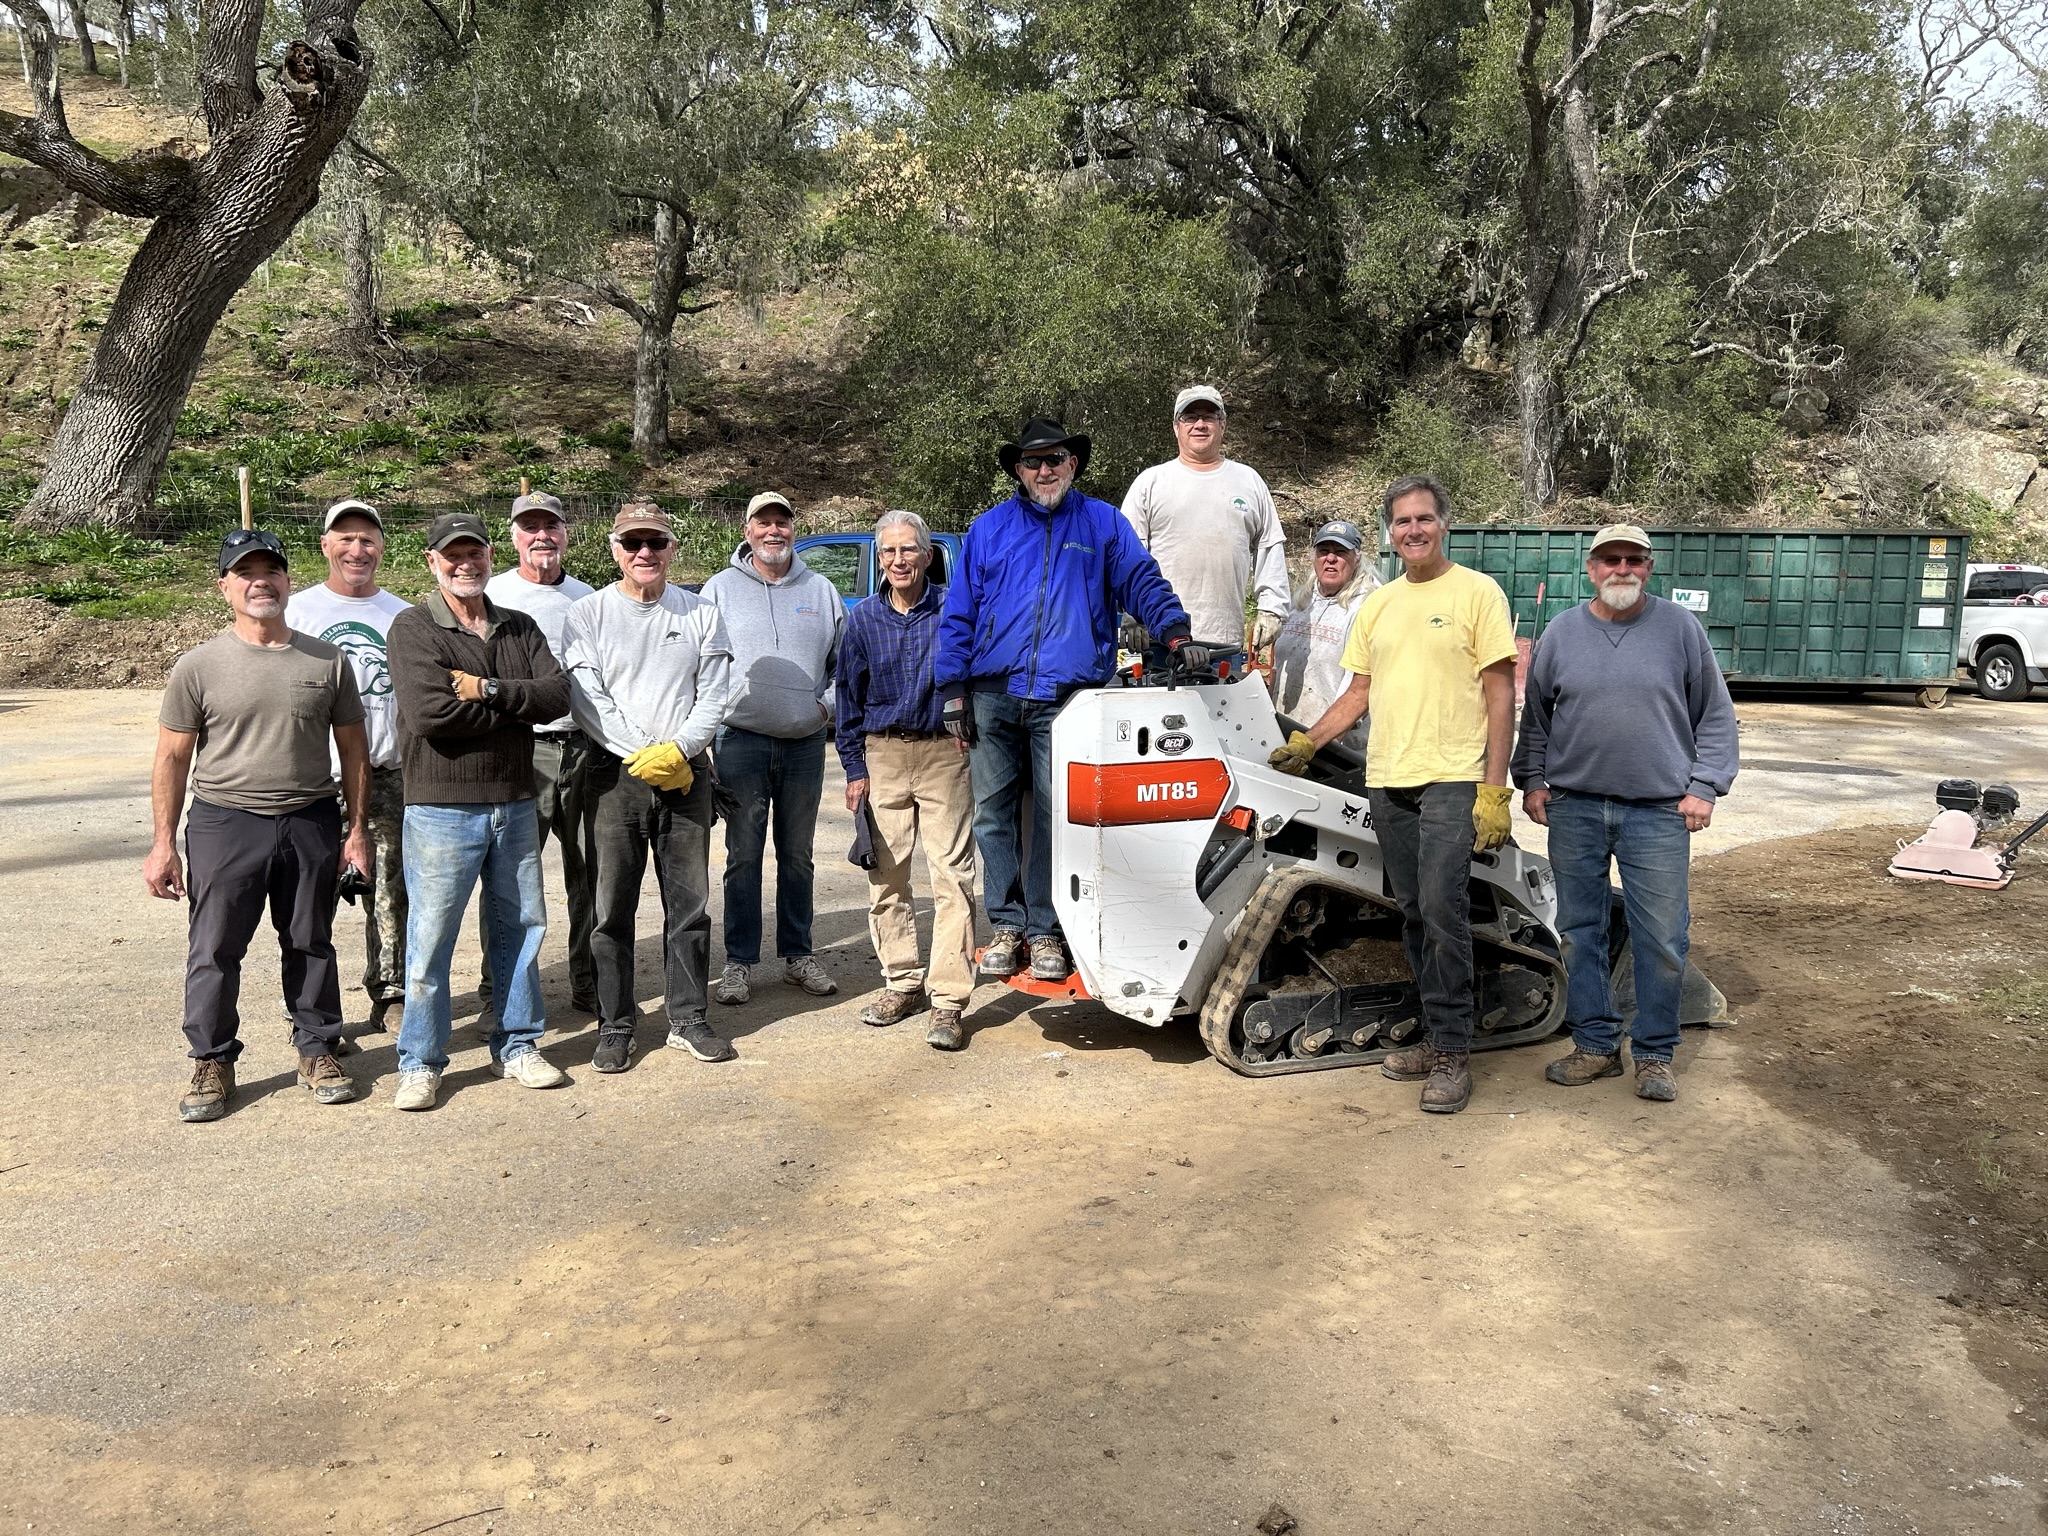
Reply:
x=766, y=774
x=1014, y=738
x=447, y=849
x=1647, y=840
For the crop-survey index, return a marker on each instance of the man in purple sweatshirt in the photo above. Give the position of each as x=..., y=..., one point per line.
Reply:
x=1628, y=740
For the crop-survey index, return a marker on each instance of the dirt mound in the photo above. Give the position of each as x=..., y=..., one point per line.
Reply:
x=44, y=646
x=1914, y=1017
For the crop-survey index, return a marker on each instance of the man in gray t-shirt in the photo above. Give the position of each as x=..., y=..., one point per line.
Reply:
x=245, y=722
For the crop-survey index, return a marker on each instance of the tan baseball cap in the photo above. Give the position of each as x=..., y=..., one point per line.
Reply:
x=1198, y=394
x=642, y=517
x=771, y=499
x=1620, y=533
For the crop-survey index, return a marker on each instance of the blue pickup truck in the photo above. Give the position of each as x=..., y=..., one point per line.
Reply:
x=847, y=560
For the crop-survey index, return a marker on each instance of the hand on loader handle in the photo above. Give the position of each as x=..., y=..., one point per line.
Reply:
x=1189, y=659
x=1295, y=757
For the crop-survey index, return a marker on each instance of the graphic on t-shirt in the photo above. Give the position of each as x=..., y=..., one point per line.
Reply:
x=364, y=648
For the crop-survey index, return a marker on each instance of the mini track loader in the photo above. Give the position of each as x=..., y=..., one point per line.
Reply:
x=1193, y=879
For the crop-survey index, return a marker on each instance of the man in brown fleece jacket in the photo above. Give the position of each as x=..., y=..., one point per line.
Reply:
x=472, y=681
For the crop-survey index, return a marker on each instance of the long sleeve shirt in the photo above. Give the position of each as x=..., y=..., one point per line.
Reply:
x=885, y=673
x=458, y=753
x=642, y=673
x=1636, y=709
x=785, y=645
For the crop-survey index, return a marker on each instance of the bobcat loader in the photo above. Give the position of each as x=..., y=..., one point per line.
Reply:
x=1193, y=879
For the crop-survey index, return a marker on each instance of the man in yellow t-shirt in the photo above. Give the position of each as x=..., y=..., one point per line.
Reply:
x=1433, y=656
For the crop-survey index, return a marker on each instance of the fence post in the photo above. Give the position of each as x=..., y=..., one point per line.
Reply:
x=248, y=505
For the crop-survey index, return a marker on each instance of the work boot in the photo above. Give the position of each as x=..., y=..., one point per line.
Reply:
x=804, y=971
x=1582, y=1067
x=1049, y=959
x=945, y=1033
x=1654, y=1081
x=614, y=1051
x=1005, y=953
x=1449, y=1088
x=213, y=1085
x=732, y=985
x=892, y=1007
x=1411, y=1063
x=324, y=1076
x=700, y=1040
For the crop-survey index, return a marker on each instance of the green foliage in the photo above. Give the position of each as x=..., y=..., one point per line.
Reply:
x=1419, y=437
x=2003, y=279
x=1676, y=431
x=1994, y=529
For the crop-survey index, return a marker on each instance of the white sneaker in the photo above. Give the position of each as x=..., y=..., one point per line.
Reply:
x=732, y=984
x=804, y=971
x=416, y=1089
x=530, y=1069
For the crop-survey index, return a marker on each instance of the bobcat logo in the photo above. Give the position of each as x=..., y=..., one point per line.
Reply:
x=364, y=648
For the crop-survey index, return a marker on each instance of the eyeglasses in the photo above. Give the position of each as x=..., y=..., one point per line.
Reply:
x=1051, y=460
x=1629, y=560
x=633, y=543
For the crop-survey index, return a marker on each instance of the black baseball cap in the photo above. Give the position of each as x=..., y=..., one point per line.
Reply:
x=244, y=542
x=450, y=526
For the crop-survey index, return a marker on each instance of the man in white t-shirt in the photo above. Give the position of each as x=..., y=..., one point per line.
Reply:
x=1210, y=523
x=350, y=611
x=540, y=588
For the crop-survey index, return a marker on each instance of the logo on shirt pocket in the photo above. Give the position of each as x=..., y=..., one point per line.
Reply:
x=1439, y=621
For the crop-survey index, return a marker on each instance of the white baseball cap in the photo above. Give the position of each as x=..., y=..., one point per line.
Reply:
x=350, y=506
x=1196, y=394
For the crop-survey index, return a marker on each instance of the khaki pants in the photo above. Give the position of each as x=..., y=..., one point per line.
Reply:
x=921, y=788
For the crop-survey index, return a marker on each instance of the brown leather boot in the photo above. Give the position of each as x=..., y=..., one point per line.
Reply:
x=945, y=1033
x=213, y=1085
x=892, y=1007
x=1449, y=1088
x=1411, y=1063
x=1582, y=1067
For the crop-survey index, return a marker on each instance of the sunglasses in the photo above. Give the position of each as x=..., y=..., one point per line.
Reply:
x=1630, y=560
x=1051, y=460
x=633, y=543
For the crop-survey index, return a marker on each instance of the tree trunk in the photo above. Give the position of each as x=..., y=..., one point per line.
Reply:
x=124, y=36
x=1539, y=395
x=359, y=250
x=88, y=55
x=215, y=219
x=651, y=389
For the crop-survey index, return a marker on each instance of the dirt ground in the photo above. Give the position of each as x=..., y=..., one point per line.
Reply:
x=1077, y=1278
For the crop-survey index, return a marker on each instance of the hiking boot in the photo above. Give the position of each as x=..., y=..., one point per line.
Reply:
x=1582, y=1067
x=213, y=1084
x=416, y=1089
x=700, y=1040
x=945, y=1033
x=1449, y=1088
x=732, y=985
x=375, y=1024
x=530, y=1069
x=614, y=1051
x=1049, y=959
x=1004, y=955
x=892, y=1007
x=804, y=971
x=1410, y=1064
x=324, y=1076
x=1654, y=1081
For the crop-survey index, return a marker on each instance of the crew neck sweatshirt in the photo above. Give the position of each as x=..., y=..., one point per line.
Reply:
x=1636, y=709
x=647, y=672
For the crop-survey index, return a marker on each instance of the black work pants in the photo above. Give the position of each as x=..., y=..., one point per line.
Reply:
x=635, y=819
x=1425, y=837
x=236, y=863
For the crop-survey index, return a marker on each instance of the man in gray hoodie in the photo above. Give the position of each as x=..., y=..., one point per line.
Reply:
x=784, y=621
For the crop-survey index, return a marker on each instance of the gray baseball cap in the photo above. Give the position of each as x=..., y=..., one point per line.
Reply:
x=538, y=501
x=1198, y=394
x=1338, y=531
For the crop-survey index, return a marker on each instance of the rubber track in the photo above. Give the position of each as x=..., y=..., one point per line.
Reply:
x=1248, y=947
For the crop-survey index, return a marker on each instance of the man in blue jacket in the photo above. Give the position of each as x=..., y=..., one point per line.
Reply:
x=1031, y=616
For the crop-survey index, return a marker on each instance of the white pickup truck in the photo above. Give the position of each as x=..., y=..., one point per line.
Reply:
x=2004, y=639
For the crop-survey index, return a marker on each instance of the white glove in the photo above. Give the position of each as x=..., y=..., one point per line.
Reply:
x=1265, y=629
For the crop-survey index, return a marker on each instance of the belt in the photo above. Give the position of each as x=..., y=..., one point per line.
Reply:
x=898, y=733
x=558, y=735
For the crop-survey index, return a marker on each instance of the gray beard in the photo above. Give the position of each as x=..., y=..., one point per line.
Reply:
x=1621, y=593
x=1055, y=495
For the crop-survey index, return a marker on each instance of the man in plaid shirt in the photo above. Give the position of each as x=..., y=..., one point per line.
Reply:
x=912, y=778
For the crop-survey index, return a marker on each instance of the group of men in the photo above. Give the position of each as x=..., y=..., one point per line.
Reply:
x=463, y=732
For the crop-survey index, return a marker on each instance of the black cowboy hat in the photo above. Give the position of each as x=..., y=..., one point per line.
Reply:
x=1043, y=432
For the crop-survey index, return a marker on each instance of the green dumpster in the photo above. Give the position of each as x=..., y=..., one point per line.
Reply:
x=1822, y=607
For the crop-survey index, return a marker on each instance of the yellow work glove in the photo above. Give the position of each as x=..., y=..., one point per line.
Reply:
x=661, y=765
x=1490, y=820
x=1295, y=756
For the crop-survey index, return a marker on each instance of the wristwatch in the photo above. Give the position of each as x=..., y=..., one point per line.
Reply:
x=490, y=690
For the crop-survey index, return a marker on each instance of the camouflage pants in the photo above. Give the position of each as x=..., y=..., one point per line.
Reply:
x=384, y=921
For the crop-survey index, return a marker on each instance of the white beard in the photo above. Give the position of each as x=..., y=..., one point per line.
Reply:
x=1049, y=499
x=1621, y=593
x=777, y=558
